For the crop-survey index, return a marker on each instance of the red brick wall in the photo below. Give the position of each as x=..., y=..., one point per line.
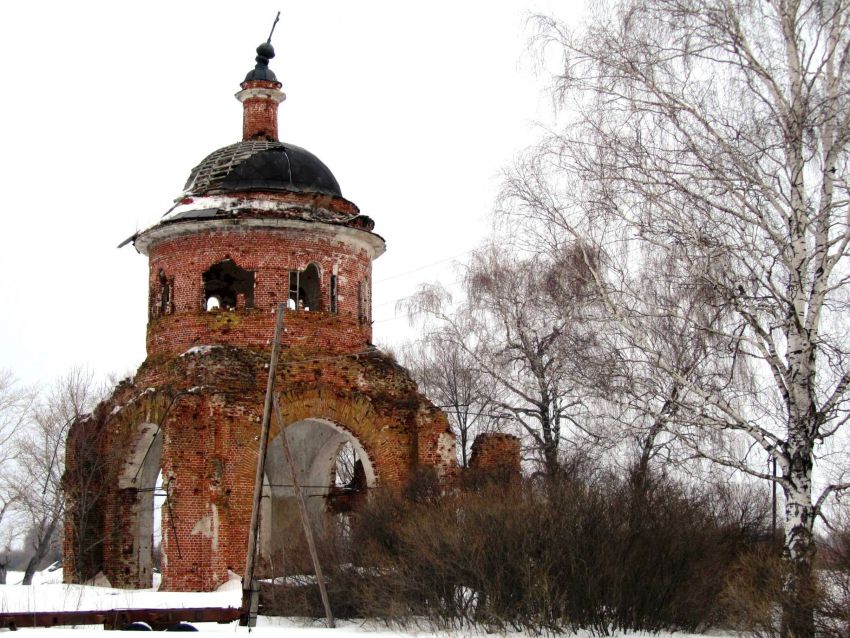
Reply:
x=259, y=118
x=495, y=456
x=270, y=255
x=208, y=405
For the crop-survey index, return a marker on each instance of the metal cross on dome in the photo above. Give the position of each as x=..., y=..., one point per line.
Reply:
x=274, y=24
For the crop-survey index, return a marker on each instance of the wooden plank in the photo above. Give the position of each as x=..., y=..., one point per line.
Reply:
x=305, y=518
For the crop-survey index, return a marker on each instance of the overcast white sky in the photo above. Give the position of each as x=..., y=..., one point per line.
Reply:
x=106, y=107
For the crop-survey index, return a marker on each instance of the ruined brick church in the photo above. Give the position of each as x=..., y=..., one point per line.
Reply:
x=261, y=222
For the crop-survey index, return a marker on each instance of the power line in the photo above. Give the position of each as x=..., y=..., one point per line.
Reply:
x=415, y=270
x=492, y=415
x=396, y=318
x=454, y=306
x=449, y=284
x=320, y=487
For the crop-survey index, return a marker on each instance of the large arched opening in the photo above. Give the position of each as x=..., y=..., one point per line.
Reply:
x=141, y=477
x=334, y=472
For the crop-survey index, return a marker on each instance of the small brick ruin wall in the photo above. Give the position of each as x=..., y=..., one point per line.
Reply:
x=495, y=457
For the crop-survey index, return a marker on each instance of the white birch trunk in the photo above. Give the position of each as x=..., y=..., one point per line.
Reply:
x=799, y=549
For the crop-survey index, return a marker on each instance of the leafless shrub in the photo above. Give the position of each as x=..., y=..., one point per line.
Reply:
x=590, y=551
x=754, y=596
x=834, y=617
x=753, y=591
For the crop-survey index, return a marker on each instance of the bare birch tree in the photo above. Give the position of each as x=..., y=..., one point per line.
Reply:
x=712, y=135
x=41, y=461
x=517, y=327
x=450, y=377
x=15, y=409
x=635, y=402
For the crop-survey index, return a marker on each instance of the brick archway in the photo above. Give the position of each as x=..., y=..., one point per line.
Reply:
x=387, y=445
x=314, y=445
x=208, y=405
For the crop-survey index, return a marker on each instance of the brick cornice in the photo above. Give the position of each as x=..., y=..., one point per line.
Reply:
x=358, y=239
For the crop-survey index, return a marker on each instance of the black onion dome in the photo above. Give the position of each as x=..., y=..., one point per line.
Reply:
x=261, y=165
x=261, y=71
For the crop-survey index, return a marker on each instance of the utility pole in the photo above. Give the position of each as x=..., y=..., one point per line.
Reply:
x=773, y=499
x=250, y=590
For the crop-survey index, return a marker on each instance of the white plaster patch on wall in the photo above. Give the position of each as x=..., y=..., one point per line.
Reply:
x=207, y=526
x=200, y=350
x=214, y=509
x=137, y=456
x=445, y=451
x=203, y=527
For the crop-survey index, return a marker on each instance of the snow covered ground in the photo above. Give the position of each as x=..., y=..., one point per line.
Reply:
x=47, y=593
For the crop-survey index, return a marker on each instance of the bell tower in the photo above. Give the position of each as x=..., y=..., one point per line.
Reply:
x=259, y=223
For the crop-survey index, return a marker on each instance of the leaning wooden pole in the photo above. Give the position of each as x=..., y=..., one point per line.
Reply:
x=305, y=520
x=250, y=591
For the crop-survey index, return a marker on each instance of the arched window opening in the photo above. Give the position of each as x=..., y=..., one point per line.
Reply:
x=159, y=496
x=348, y=479
x=364, y=303
x=141, y=481
x=348, y=485
x=305, y=290
x=166, y=287
x=334, y=294
x=348, y=470
x=225, y=283
x=334, y=472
